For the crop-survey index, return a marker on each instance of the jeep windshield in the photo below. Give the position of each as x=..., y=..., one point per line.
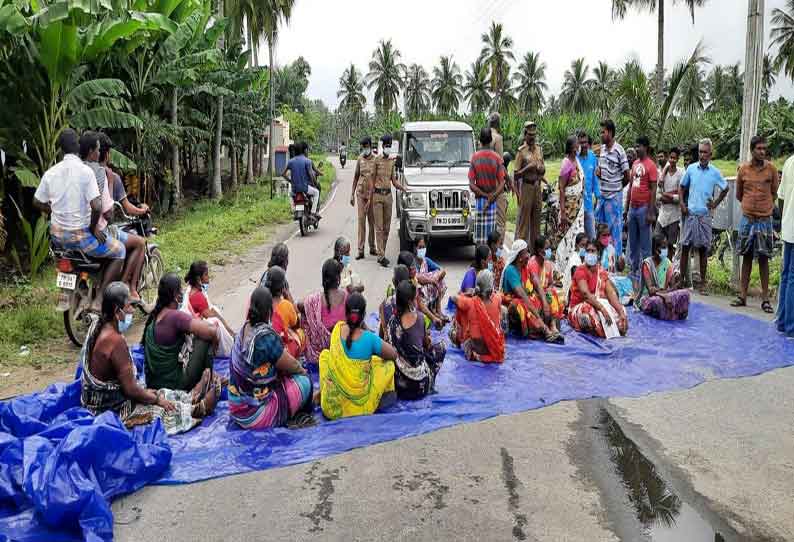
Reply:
x=439, y=149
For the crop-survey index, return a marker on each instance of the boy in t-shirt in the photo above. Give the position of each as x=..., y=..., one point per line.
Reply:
x=641, y=208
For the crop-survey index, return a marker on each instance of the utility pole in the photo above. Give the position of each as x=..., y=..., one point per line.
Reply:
x=751, y=108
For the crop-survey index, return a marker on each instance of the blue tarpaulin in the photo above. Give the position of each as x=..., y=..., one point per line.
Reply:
x=656, y=356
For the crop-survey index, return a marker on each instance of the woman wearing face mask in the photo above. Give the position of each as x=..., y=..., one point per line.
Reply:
x=419, y=359
x=177, y=347
x=540, y=287
x=576, y=259
x=478, y=322
x=658, y=298
x=389, y=305
x=431, y=279
x=613, y=265
x=408, y=259
x=199, y=306
x=357, y=368
x=594, y=300
x=496, y=261
x=108, y=379
x=350, y=280
x=523, y=318
x=482, y=255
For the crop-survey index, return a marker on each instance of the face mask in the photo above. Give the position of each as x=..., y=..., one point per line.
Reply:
x=547, y=254
x=605, y=240
x=346, y=260
x=663, y=253
x=590, y=259
x=490, y=267
x=125, y=324
x=421, y=252
x=205, y=287
x=582, y=253
x=499, y=252
x=386, y=151
x=367, y=152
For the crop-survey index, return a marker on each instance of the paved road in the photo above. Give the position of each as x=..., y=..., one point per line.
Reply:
x=724, y=448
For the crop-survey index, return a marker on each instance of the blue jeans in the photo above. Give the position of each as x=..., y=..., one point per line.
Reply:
x=785, y=304
x=609, y=211
x=589, y=225
x=639, y=238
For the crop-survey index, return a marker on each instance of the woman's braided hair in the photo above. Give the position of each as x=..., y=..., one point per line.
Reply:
x=168, y=291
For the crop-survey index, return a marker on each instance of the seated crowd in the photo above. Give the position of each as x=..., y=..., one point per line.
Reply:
x=361, y=370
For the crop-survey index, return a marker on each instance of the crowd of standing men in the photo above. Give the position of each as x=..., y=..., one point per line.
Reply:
x=631, y=193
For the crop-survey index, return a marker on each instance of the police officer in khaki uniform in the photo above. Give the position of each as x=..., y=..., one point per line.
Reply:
x=528, y=174
x=382, y=200
x=363, y=182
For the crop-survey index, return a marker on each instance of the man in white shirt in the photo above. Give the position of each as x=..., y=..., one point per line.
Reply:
x=785, y=308
x=69, y=193
x=669, y=222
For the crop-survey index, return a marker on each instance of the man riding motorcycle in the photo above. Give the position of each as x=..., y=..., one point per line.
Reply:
x=342, y=154
x=302, y=175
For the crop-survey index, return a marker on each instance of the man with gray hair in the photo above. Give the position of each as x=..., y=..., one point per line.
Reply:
x=696, y=197
x=497, y=144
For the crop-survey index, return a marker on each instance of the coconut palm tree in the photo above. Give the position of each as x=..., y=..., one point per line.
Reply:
x=476, y=87
x=386, y=75
x=603, y=84
x=782, y=37
x=769, y=77
x=530, y=79
x=693, y=93
x=577, y=87
x=351, y=93
x=503, y=99
x=417, y=91
x=497, y=54
x=447, y=83
x=619, y=10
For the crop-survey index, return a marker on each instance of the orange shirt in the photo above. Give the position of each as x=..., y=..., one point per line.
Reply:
x=756, y=189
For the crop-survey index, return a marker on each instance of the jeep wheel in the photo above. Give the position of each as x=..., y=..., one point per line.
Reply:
x=405, y=239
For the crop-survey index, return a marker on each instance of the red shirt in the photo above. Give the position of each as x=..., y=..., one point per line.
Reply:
x=643, y=173
x=198, y=301
x=583, y=273
x=487, y=170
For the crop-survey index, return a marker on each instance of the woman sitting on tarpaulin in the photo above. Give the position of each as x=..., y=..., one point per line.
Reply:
x=419, y=358
x=595, y=308
x=523, y=318
x=268, y=387
x=477, y=327
x=540, y=287
x=108, y=380
x=286, y=320
x=357, y=369
x=658, y=297
x=430, y=277
x=481, y=256
x=321, y=311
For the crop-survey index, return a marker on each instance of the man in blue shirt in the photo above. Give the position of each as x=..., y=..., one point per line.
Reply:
x=696, y=197
x=300, y=173
x=589, y=162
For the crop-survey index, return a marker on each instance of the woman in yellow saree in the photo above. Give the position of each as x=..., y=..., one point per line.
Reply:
x=357, y=369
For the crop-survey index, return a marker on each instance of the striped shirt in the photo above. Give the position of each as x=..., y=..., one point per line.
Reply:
x=487, y=170
x=613, y=163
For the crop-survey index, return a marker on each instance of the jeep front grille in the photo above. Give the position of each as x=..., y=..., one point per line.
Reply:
x=449, y=200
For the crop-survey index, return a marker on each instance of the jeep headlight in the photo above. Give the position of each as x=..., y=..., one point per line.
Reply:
x=414, y=200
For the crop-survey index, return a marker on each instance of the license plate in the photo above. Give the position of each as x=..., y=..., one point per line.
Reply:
x=451, y=220
x=66, y=281
x=299, y=207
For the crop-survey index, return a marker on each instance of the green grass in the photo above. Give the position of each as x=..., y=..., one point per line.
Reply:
x=719, y=277
x=208, y=230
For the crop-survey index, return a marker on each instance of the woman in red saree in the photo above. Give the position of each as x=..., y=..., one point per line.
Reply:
x=285, y=320
x=477, y=328
x=540, y=286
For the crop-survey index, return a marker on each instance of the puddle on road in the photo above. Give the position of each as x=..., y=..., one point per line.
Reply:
x=663, y=516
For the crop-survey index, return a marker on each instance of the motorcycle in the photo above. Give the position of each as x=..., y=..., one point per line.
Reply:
x=343, y=159
x=79, y=278
x=301, y=212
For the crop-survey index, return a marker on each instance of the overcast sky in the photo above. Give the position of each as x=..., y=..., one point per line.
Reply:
x=332, y=34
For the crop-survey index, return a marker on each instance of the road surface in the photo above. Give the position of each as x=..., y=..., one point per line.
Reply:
x=722, y=450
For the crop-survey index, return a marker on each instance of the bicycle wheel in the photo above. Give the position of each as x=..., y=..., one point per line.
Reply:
x=152, y=272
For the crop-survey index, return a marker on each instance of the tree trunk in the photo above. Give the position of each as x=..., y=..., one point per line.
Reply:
x=233, y=158
x=175, y=163
x=271, y=154
x=217, y=187
x=660, y=54
x=249, y=174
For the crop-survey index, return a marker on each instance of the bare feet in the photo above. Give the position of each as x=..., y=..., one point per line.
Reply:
x=206, y=406
x=200, y=389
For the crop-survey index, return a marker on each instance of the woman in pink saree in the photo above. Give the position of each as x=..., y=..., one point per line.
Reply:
x=321, y=311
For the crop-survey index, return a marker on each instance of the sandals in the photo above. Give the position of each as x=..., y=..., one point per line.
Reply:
x=740, y=302
x=555, y=338
x=766, y=306
x=301, y=420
